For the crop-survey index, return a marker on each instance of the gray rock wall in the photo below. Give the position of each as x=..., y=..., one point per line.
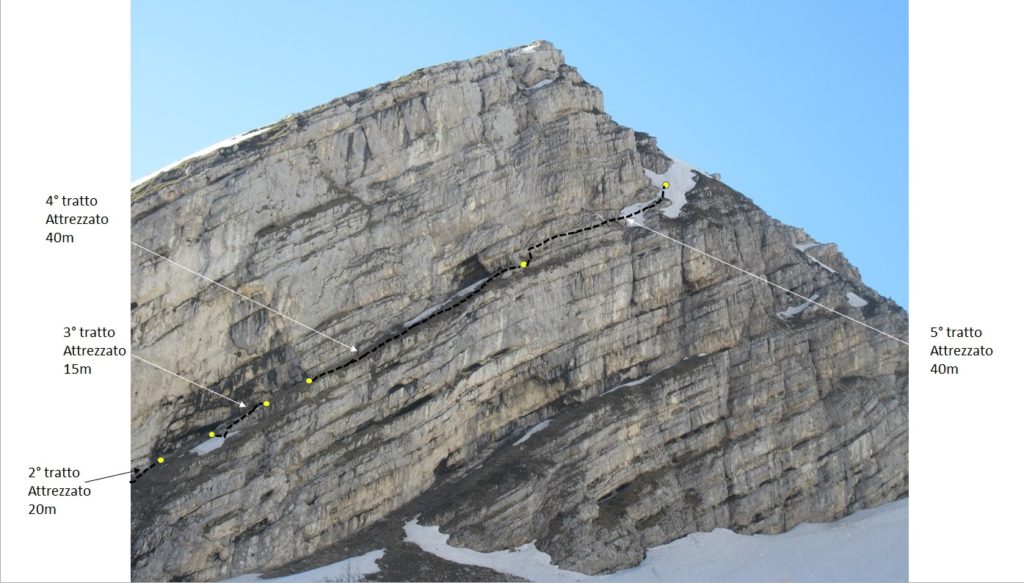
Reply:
x=360, y=214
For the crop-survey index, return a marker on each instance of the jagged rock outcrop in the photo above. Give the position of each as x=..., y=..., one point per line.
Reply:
x=359, y=215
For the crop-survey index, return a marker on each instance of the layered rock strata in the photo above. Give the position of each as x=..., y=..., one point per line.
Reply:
x=377, y=209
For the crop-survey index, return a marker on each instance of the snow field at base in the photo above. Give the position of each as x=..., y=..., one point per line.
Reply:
x=351, y=569
x=869, y=545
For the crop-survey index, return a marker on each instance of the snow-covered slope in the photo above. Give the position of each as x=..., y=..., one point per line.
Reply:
x=870, y=545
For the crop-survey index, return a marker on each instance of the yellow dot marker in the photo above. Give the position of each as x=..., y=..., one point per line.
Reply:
x=266, y=403
x=664, y=185
x=212, y=434
x=309, y=381
x=523, y=264
x=159, y=460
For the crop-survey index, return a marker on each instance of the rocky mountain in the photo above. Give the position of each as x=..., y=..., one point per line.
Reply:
x=531, y=366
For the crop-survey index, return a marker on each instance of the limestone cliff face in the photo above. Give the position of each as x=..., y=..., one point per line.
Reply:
x=360, y=215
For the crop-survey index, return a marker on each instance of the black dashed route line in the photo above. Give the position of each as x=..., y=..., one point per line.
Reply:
x=237, y=420
x=487, y=280
x=138, y=473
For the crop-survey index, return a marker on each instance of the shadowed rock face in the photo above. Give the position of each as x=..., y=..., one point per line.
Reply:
x=358, y=215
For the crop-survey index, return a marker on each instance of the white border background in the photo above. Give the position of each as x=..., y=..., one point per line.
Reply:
x=65, y=129
x=66, y=112
x=966, y=159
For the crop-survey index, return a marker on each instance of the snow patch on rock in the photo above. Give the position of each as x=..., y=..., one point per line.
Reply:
x=804, y=247
x=234, y=140
x=855, y=300
x=681, y=178
x=471, y=287
x=423, y=315
x=815, y=259
x=538, y=427
x=637, y=219
x=438, y=307
x=351, y=569
x=793, y=311
x=208, y=445
x=629, y=384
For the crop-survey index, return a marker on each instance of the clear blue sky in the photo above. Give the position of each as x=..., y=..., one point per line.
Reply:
x=801, y=105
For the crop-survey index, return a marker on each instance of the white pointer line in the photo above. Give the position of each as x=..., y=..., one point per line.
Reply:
x=188, y=381
x=245, y=297
x=755, y=276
